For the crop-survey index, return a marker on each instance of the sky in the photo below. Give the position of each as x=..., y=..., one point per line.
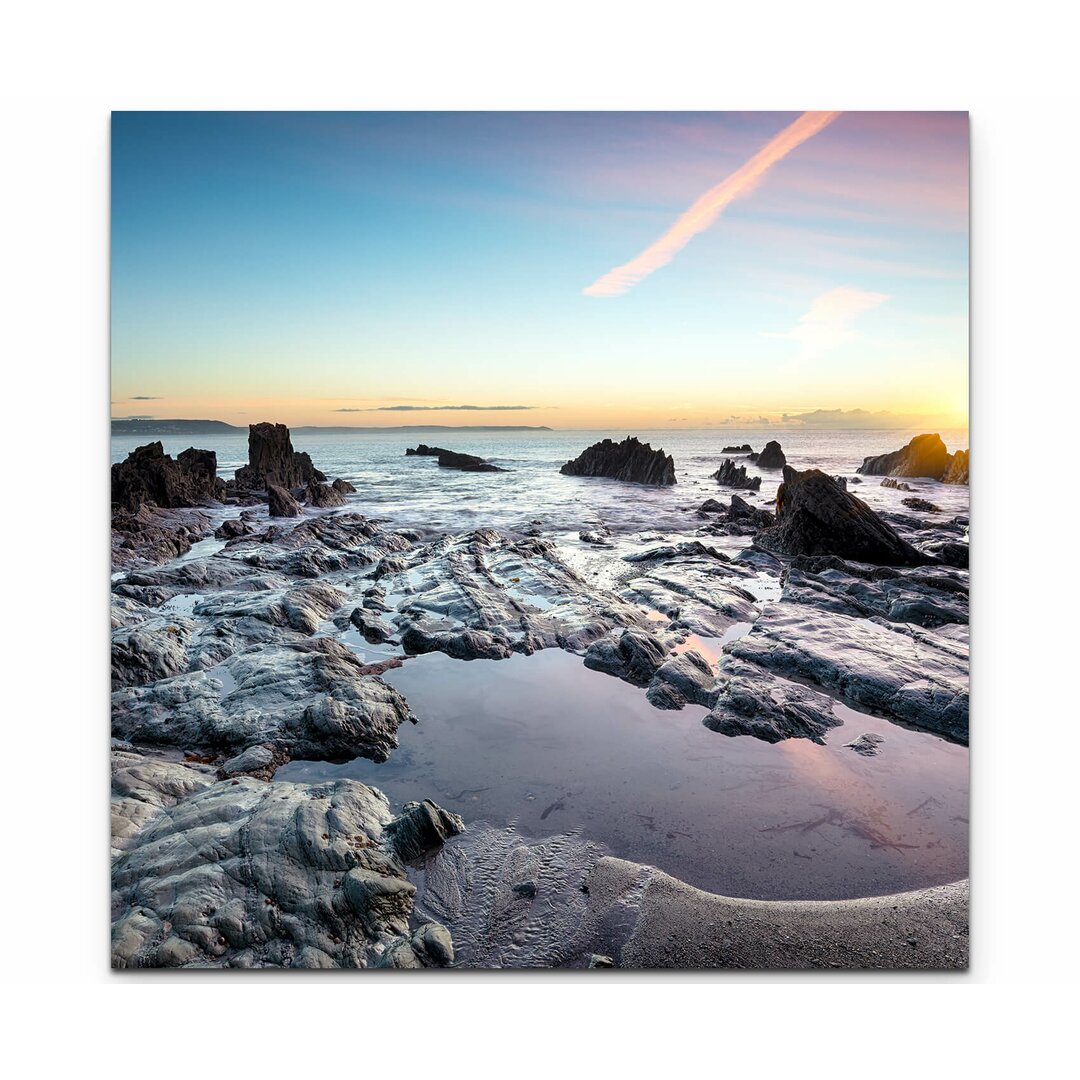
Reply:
x=575, y=270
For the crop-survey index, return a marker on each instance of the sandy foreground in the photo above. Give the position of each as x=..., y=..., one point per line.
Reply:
x=678, y=926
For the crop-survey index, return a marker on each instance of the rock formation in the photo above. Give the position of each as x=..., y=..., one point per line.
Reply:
x=150, y=477
x=629, y=460
x=925, y=455
x=734, y=476
x=451, y=459
x=323, y=495
x=957, y=472
x=898, y=485
x=815, y=516
x=272, y=460
x=282, y=504
x=245, y=874
x=746, y=448
x=922, y=505
x=772, y=457
x=343, y=487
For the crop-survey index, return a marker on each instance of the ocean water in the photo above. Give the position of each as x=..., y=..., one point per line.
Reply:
x=545, y=743
x=415, y=492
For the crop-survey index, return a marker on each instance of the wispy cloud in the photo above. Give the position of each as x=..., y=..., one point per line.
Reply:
x=709, y=206
x=444, y=408
x=143, y=397
x=828, y=322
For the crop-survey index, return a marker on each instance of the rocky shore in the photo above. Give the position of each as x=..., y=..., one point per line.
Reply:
x=228, y=665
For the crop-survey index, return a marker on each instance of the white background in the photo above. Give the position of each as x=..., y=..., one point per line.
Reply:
x=63, y=67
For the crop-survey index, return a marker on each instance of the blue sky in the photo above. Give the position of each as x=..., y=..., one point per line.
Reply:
x=303, y=264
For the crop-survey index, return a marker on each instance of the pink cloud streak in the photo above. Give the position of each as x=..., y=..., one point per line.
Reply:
x=707, y=208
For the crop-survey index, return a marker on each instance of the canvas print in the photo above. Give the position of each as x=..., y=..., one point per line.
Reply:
x=539, y=540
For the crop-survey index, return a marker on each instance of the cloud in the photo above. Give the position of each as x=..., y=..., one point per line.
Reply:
x=444, y=408
x=857, y=419
x=134, y=417
x=143, y=397
x=826, y=324
x=709, y=206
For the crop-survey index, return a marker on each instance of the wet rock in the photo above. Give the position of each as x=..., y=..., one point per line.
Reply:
x=950, y=552
x=731, y=475
x=595, y=960
x=311, y=697
x=373, y=629
x=451, y=459
x=814, y=516
x=686, y=679
x=867, y=745
x=343, y=487
x=629, y=460
x=526, y=890
x=922, y=505
x=323, y=496
x=674, y=551
x=421, y=827
x=957, y=472
x=272, y=461
x=233, y=528
x=925, y=455
x=633, y=655
x=210, y=873
x=260, y=761
x=596, y=538
x=930, y=596
x=150, y=477
x=155, y=649
x=772, y=457
x=282, y=504
x=149, y=536
x=841, y=480
x=899, y=486
x=430, y=946
x=460, y=644
x=904, y=672
x=759, y=704
x=746, y=448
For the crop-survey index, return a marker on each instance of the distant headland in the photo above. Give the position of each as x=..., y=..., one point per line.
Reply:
x=219, y=427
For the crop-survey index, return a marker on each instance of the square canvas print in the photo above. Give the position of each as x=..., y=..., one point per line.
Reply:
x=540, y=540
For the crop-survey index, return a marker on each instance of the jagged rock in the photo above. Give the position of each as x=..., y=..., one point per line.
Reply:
x=957, y=472
x=901, y=671
x=925, y=455
x=323, y=496
x=150, y=535
x=930, y=596
x=312, y=697
x=675, y=551
x=272, y=460
x=244, y=873
x=685, y=679
x=422, y=827
x=815, y=516
x=630, y=460
x=746, y=448
x=451, y=459
x=751, y=701
x=282, y=504
x=373, y=629
x=711, y=506
x=734, y=476
x=922, y=505
x=841, y=480
x=633, y=655
x=867, y=744
x=898, y=485
x=592, y=536
x=772, y=457
x=233, y=528
x=150, y=477
x=343, y=487
x=950, y=552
